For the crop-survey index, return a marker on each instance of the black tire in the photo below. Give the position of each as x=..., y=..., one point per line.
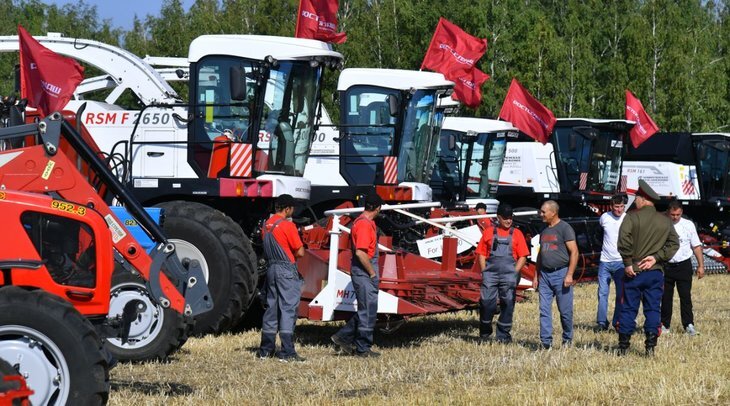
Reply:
x=228, y=256
x=65, y=343
x=155, y=334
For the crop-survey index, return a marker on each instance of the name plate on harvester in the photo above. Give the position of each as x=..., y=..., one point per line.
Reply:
x=431, y=247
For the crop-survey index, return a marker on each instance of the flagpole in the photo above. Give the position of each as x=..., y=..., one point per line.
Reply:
x=299, y=15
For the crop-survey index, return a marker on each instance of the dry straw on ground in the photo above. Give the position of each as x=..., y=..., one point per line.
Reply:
x=436, y=360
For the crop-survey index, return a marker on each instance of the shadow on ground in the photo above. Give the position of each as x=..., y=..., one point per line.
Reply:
x=153, y=388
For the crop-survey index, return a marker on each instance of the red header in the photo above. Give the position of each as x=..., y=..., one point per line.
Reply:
x=47, y=79
x=526, y=113
x=645, y=126
x=317, y=19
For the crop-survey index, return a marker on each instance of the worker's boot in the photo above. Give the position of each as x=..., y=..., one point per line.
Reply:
x=485, y=331
x=650, y=343
x=624, y=340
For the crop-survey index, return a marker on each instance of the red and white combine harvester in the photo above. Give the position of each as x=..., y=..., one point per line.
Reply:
x=216, y=162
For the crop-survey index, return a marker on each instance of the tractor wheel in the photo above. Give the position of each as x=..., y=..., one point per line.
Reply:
x=224, y=252
x=54, y=347
x=13, y=390
x=155, y=333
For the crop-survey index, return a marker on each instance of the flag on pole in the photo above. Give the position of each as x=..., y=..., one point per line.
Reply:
x=468, y=87
x=317, y=19
x=645, y=126
x=454, y=54
x=526, y=113
x=452, y=49
x=47, y=79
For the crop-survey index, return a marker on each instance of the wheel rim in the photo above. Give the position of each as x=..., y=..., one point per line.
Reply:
x=40, y=361
x=185, y=250
x=148, y=324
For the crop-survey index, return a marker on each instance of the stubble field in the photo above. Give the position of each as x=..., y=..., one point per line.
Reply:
x=437, y=360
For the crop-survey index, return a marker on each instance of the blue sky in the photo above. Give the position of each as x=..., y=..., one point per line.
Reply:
x=121, y=12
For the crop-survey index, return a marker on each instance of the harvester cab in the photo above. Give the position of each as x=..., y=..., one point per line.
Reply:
x=695, y=170
x=387, y=136
x=713, y=167
x=580, y=165
x=216, y=162
x=470, y=155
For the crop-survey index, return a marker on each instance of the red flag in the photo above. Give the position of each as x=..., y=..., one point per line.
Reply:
x=47, y=79
x=468, y=87
x=526, y=113
x=317, y=19
x=645, y=126
x=452, y=49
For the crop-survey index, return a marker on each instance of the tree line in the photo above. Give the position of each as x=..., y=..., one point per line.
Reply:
x=576, y=56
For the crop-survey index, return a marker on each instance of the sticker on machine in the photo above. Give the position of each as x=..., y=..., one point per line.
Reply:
x=117, y=230
x=432, y=247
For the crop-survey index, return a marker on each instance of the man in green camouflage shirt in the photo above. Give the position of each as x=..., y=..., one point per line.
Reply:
x=646, y=241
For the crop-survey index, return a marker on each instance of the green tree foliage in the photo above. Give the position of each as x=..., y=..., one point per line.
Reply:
x=577, y=56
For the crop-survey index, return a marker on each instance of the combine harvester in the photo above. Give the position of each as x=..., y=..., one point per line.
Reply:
x=580, y=168
x=694, y=169
x=216, y=163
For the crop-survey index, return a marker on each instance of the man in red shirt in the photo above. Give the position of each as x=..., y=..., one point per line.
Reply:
x=282, y=246
x=365, y=280
x=502, y=252
x=481, y=209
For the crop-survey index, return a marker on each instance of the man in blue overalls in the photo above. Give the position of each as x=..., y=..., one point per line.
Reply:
x=365, y=280
x=502, y=252
x=282, y=246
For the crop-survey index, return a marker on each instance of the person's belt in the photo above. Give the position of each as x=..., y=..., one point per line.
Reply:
x=678, y=263
x=548, y=270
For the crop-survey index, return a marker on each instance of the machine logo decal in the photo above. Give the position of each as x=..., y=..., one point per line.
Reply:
x=117, y=231
x=49, y=168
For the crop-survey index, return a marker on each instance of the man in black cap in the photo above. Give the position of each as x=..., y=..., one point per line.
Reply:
x=282, y=246
x=357, y=335
x=646, y=241
x=481, y=209
x=501, y=252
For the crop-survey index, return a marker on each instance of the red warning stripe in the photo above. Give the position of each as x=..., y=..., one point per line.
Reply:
x=583, y=180
x=241, y=160
x=390, y=165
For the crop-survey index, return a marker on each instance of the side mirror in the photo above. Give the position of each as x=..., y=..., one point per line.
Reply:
x=299, y=101
x=452, y=142
x=702, y=152
x=238, y=83
x=393, y=105
x=16, y=71
x=573, y=142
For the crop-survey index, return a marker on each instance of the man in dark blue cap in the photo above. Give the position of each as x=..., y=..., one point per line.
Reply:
x=646, y=241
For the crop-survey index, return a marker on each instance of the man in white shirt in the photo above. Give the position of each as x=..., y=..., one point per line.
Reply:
x=611, y=266
x=679, y=270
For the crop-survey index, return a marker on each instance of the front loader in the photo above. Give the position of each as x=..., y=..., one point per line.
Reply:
x=62, y=237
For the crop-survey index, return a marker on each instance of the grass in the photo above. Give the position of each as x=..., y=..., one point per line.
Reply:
x=436, y=360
